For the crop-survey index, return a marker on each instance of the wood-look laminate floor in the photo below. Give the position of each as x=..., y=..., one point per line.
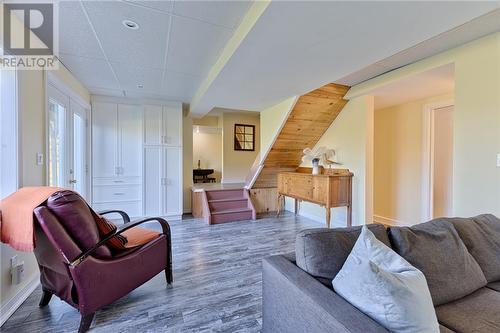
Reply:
x=217, y=284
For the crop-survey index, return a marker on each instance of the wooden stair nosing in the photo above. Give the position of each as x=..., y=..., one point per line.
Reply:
x=231, y=211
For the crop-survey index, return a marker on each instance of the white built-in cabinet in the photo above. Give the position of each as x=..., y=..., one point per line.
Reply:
x=163, y=152
x=137, y=158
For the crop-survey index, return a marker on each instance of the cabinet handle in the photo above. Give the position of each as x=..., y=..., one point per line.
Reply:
x=119, y=193
x=117, y=181
x=117, y=170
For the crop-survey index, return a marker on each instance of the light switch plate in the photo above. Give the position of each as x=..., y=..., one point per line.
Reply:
x=498, y=160
x=39, y=159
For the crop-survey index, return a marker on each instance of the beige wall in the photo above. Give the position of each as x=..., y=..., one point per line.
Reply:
x=398, y=160
x=349, y=136
x=211, y=121
x=236, y=164
x=271, y=120
x=187, y=157
x=31, y=108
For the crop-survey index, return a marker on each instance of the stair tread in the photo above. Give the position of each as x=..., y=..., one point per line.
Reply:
x=226, y=200
x=229, y=211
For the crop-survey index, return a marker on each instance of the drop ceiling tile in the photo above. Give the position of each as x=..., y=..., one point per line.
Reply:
x=131, y=93
x=225, y=13
x=75, y=34
x=181, y=85
x=105, y=92
x=91, y=72
x=164, y=5
x=144, y=46
x=194, y=46
x=131, y=76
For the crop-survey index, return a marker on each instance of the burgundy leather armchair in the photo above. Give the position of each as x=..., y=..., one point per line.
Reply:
x=76, y=265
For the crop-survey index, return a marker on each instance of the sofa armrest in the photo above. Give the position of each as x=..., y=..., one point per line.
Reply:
x=293, y=301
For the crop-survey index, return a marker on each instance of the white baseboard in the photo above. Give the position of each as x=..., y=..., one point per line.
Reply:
x=388, y=221
x=8, y=308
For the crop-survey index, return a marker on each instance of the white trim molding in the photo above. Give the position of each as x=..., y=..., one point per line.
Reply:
x=428, y=155
x=15, y=302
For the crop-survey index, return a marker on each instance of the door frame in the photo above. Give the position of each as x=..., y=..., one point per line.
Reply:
x=58, y=83
x=428, y=155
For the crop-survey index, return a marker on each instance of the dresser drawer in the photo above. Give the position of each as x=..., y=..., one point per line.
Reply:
x=117, y=193
x=117, y=181
x=132, y=208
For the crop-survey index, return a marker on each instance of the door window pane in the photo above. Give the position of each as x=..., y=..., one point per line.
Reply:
x=79, y=150
x=8, y=133
x=56, y=155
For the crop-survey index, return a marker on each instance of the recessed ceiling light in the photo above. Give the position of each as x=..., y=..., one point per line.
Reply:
x=130, y=24
x=140, y=86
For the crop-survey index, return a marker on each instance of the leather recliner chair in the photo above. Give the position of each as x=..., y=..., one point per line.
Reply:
x=76, y=264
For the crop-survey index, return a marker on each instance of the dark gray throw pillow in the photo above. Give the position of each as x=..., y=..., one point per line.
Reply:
x=322, y=252
x=481, y=235
x=436, y=249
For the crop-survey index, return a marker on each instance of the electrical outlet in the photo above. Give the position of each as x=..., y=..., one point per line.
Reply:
x=39, y=159
x=13, y=261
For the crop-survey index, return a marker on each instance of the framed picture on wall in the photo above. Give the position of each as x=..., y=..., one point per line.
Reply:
x=244, y=137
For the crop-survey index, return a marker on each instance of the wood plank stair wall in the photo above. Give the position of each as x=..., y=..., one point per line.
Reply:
x=309, y=119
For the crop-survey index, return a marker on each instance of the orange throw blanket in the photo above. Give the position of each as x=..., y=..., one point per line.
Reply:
x=16, y=216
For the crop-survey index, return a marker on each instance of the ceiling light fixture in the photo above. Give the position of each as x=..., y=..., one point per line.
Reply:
x=130, y=24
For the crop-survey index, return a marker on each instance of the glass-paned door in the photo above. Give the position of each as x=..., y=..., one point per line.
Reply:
x=67, y=143
x=78, y=168
x=58, y=112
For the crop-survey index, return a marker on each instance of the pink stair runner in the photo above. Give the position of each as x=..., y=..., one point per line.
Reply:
x=228, y=205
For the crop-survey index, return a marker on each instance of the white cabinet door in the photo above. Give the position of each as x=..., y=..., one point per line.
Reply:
x=153, y=174
x=104, y=139
x=173, y=185
x=172, y=124
x=130, y=140
x=153, y=125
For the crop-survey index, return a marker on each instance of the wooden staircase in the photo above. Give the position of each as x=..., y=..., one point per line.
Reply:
x=311, y=116
x=227, y=205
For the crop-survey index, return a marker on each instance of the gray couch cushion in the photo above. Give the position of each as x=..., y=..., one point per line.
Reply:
x=322, y=252
x=478, y=313
x=481, y=235
x=494, y=286
x=436, y=249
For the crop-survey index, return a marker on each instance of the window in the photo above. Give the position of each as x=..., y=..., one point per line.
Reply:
x=8, y=133
x=56, y=155
x=244, y=137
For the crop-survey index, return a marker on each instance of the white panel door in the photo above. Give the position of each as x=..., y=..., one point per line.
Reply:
x=153, y=125
x=172, y=124
x=104, y=140
x=130, y=140
x=172, y=160
x=153, y=188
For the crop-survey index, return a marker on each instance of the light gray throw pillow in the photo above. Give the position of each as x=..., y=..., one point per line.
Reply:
x=385, y=287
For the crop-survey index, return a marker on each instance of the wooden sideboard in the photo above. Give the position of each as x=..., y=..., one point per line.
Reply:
x=331, y=188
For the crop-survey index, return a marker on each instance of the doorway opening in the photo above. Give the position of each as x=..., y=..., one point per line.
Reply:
x=413, y=147
x=207, y=150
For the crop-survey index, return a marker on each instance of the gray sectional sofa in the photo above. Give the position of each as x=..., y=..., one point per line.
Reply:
x=460, y=258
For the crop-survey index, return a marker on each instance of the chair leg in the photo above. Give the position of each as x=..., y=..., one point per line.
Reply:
x=168, y=275
x=46, y=296
x=85, y=323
